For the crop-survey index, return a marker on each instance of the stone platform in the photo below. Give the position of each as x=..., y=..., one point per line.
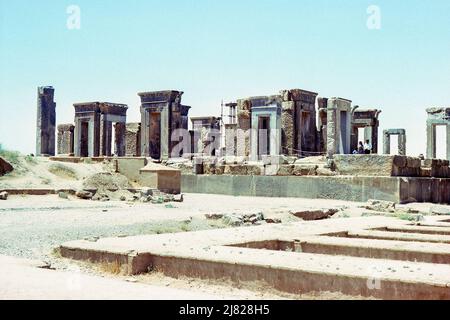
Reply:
x=349, y=188
x=400, y=261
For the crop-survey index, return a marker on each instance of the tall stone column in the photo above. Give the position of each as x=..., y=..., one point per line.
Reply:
x=431, y=141
x=46, y=122
x=332, y=136
x=448, y=141
x=386, y=143
x=165, y=136
x=402, y=144
x=287, y=120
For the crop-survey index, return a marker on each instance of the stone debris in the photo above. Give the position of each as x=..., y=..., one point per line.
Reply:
x=236, y=220
x=63, y=195
x=440, y=211
x=82, y=194
x=4, y=195
x=315, y=214
x=380, y=206
x=5, y=167
x=214, y=216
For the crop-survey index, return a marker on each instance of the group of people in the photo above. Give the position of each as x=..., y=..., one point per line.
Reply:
x=365, y=148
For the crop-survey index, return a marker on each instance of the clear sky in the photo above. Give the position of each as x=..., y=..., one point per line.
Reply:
x=224, y=49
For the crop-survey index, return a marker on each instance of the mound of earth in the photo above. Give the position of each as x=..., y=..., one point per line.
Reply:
x=106, y=181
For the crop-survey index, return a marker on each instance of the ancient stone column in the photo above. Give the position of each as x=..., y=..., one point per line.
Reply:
x=46, y=122
x=402, y=144
x=386, y=142
x=331, y=130
x=287, y=120
x=431, y=141
x=66, y=139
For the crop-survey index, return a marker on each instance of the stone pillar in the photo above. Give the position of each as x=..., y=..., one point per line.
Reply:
x=92, y=150
x=374, y=133
x=145, y=131
x=46, y=122
x=447, y=143
x=105, y=136
x=402, y=144
x=431, y=141
x=386, y=142
x=66, y=139
x=331, y=130
x=165, y=137
x=287, y=120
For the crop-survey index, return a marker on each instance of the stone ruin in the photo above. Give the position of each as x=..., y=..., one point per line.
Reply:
x=205, y=135
x=367, y=119
x=93, y=129
x=46, y=122
x=66, y=139
x=161, y=114
x=401, y=133
x=437, y=117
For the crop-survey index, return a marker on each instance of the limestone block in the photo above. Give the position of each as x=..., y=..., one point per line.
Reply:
x=305, y=170
x=235, y=170
x=286, y=170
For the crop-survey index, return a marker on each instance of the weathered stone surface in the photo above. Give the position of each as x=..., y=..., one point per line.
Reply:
x=315, y=214
x=440, y=210
x=46, y=122
x=380, y=206
x=82, y=194
x=4, y=195
x=305, y=170
x=377, y=165
x=5, y=167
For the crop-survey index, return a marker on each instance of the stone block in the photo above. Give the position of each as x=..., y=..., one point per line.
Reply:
x=5, y=167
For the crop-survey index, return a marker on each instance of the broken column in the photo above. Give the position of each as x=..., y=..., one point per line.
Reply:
x=206, y=134
x=65, y=139
x=437, y=117
x=339, y=119
x=401, y=133
x=46, y=122
x=133, y=139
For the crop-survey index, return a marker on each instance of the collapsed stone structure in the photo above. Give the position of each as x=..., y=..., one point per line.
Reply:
x=66, y=139
x=133, y=139
x=437, y=117
x=93, y=129
x=205, y=135
x=46, y=122
x=401, y=133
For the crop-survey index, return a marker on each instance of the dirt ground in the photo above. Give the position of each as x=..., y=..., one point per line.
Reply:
x=33, y=226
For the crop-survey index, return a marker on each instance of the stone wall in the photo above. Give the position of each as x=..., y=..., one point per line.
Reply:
x=377, y=165
x=133, y=139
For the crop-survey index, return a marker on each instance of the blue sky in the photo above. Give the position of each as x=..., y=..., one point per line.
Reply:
x=214, y=50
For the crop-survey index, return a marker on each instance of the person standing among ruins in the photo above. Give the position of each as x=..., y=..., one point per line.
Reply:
x=367, y=147
x=360, y=148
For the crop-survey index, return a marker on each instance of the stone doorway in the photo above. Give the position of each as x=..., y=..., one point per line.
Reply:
x=84, y=141
x=263, y=136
